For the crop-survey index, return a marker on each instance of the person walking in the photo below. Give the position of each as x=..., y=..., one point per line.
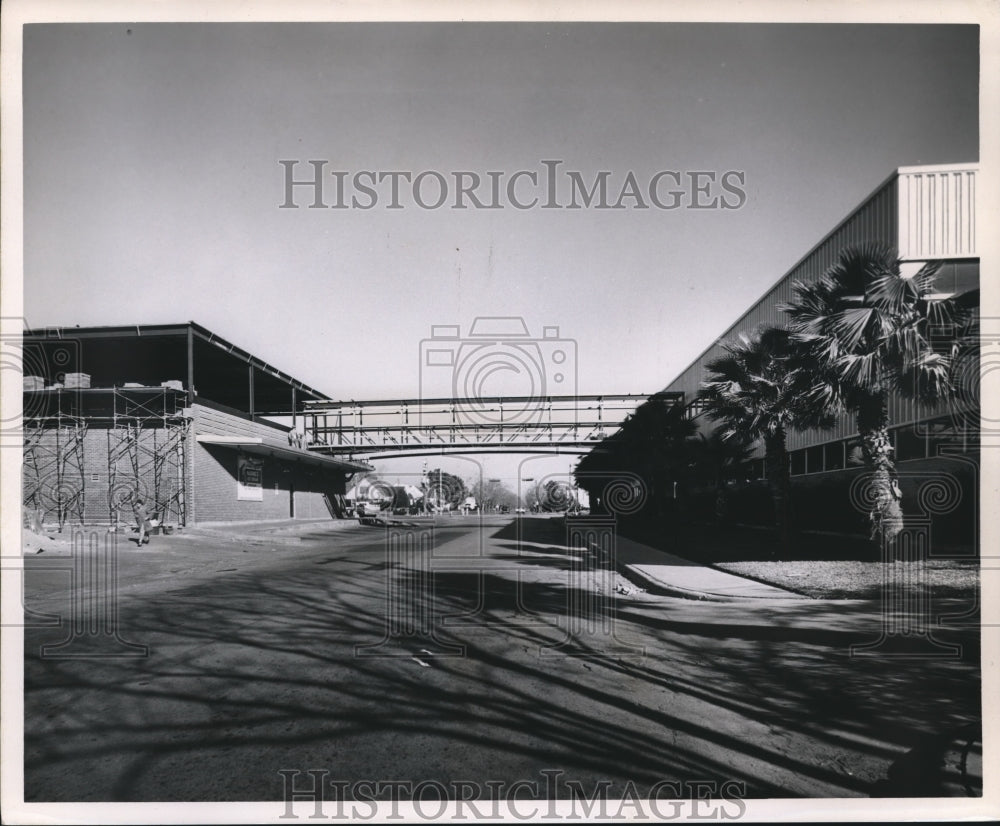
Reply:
x=142, y=520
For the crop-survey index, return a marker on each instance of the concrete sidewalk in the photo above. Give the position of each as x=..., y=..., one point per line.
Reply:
x=663, y=573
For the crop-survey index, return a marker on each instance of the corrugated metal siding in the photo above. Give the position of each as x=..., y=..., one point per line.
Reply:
x=844, y=428
x=937, y=207
x=875, y=219
x=937, y=213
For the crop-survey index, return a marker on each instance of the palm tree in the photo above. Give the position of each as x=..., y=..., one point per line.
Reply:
x=758, y=391
x=868, y=328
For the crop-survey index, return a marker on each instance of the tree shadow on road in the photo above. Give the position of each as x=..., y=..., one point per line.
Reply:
x=400, y=672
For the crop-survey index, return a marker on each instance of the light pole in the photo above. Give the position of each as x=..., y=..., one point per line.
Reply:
x=426, y=485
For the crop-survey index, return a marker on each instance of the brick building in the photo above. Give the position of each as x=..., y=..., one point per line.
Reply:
x=174, y=415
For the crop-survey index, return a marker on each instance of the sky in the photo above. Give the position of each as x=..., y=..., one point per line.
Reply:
x=152, y=182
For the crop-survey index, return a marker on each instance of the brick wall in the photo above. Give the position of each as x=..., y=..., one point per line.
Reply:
x=214, y=474
x=101, y=466
x=87, y=484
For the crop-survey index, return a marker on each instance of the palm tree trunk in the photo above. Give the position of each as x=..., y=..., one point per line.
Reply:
x=886, y=515
x=779, y=480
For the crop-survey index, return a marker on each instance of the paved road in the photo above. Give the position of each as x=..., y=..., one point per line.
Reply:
x=461, y=650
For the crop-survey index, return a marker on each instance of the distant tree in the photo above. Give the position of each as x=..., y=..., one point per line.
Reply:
x=444, y=489
x=492, y=494
x=531, y=499
x=868, y=328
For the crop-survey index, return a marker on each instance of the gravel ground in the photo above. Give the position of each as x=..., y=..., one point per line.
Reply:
x=853, y=579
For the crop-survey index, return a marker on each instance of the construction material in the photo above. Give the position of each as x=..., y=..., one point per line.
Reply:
x=77, y=381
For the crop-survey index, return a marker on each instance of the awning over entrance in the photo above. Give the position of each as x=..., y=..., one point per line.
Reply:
x=258, y=446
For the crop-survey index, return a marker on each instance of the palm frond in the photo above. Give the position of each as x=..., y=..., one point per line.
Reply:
x=850, y=327
x=868, y=327
x=862, y=371
x=926, y=278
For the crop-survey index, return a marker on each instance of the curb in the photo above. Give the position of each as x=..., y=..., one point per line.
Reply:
x=655, y=586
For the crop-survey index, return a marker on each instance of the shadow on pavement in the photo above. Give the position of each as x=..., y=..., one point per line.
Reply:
x=258, y=671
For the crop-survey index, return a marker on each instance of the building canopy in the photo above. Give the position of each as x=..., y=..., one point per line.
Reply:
x=204, y=364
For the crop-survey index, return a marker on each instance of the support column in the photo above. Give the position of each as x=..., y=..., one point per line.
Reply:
x=190, y=366
x=250, y=385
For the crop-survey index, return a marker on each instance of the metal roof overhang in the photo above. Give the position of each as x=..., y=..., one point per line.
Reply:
x=258, y=446
x=133, y=331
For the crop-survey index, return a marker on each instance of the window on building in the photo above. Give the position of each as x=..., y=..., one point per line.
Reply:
x=798, y=458
x=814, y=459
x=853, y=453
x=833, y=456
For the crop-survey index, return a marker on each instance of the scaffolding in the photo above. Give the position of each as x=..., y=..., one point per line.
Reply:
x=146, y=449
x=54, y=480
x=146, y=430
x=146, y=464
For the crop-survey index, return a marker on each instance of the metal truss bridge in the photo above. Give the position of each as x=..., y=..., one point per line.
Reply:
x=512, y=424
